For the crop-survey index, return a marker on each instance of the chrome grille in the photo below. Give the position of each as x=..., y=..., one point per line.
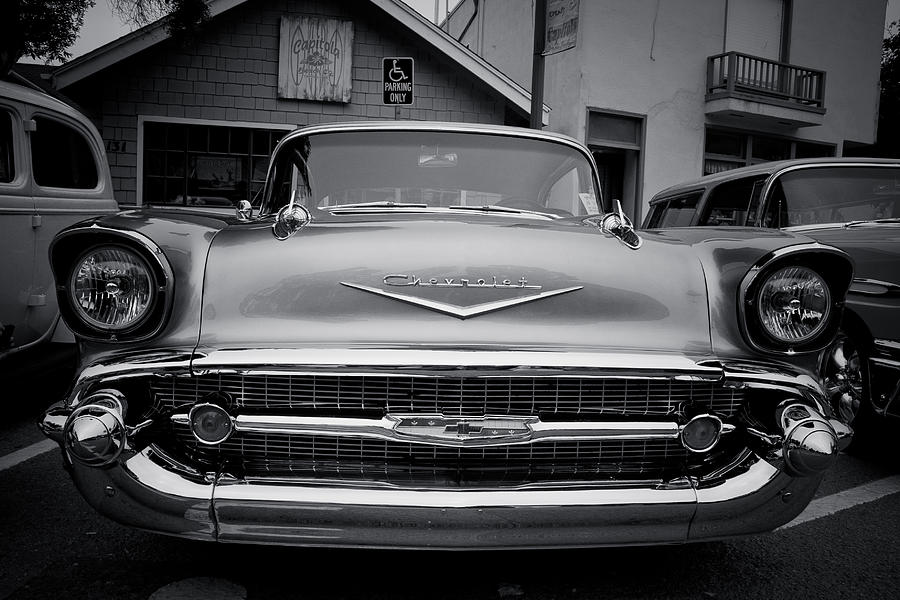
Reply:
x=258, y=454
x=330, y=394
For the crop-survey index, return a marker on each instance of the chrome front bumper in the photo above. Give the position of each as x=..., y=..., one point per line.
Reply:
x=150, y=491
x=146, y=488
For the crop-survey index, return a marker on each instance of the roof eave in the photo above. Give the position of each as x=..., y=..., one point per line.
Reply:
x=156, y=32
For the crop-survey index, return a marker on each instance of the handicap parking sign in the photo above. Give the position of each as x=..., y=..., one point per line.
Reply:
x=397, y=80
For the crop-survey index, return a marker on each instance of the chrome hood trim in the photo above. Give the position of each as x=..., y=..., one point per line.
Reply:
x=461, y=312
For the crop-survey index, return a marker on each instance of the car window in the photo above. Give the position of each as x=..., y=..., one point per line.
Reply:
x=675, y=212
x=61, y=156
x=433, y=169
x=7, y=164
x=834, y=195
x=733, y=202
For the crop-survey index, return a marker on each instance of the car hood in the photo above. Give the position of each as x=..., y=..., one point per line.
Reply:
x=474, y=281
x=874, y=247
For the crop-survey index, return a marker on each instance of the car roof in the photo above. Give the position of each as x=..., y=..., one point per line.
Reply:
x=767, y=169
x=27, y=95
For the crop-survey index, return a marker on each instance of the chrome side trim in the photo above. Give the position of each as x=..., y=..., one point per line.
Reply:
x=873, y=287
x=437, y=430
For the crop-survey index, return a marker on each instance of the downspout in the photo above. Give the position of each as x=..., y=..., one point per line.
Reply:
x=471, y=20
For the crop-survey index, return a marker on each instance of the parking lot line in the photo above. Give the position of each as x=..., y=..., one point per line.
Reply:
x=828, y=505
x=19, y=456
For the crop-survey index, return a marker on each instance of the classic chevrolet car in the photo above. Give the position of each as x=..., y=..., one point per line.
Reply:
x=851, y=203
x=430, y=336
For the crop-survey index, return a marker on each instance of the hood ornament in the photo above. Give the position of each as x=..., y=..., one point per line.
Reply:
x=619, y=226
x=413, y=282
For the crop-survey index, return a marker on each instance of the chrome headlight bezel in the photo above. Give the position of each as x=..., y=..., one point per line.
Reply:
x=81, y=242
x=827, y=264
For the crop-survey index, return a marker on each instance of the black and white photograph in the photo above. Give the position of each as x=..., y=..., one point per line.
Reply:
x=449, y=299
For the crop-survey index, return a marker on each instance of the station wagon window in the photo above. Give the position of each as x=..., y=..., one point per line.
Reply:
x=834, y=195
x=733, y=202
x=61, y=156
x=675, y=212
x=7, y=164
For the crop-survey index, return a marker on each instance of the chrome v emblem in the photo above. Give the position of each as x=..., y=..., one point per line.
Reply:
x=461, y=312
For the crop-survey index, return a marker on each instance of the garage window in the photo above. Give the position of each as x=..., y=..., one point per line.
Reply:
x=205, y=165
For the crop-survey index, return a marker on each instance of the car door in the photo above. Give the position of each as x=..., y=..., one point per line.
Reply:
x=70, y=183
x=17, y=242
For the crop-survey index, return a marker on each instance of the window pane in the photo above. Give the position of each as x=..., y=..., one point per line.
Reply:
x=155, y=135
x=730, y=203
x=216, y=180
x=7, y=165
x=261, y=142
x=835, y=195
x=771, y=149
x=680, y=211
x=726, y=143
x=61, y=156
x=240, y=141
x=614, y=128
x=218, y=139
x=197, y=138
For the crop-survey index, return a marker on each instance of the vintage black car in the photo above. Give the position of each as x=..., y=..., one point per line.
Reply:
x=851, y=203
x=431, y=336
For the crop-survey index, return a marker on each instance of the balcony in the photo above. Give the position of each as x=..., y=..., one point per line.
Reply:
x=747, y=90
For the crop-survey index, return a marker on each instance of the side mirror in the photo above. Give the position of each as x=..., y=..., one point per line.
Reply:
x=244, y=211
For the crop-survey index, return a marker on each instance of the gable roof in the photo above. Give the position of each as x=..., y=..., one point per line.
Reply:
x=156, y=32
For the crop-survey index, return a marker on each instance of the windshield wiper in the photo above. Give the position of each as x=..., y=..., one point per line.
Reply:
x=378, y=204
x=503, y=209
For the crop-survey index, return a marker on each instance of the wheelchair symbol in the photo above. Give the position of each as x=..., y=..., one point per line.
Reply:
x=396, y=73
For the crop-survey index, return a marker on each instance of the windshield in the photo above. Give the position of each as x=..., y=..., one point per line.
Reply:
x=834, y=195
x=389, y=170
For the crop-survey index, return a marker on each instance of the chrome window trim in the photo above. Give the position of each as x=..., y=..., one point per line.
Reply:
x=418, y=126
x=773, y=177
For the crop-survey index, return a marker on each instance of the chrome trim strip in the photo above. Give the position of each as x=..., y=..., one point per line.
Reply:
x=773, y=177
x=424, y=360
x=890, y=289
x=460, y=312
x=498, y=130
x=432, y=432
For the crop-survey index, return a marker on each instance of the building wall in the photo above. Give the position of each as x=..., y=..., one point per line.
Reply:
x=230, y=75
x=648, y=59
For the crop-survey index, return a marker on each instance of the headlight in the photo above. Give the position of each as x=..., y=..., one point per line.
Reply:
x=793, y=304
x=112, y=288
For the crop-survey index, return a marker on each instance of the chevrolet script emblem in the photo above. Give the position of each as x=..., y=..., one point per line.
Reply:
x=460, y=284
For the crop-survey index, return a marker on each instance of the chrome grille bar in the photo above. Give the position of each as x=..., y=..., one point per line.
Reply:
x=470, y=395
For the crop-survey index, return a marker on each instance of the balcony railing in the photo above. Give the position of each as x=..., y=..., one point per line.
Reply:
x=733, y=74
